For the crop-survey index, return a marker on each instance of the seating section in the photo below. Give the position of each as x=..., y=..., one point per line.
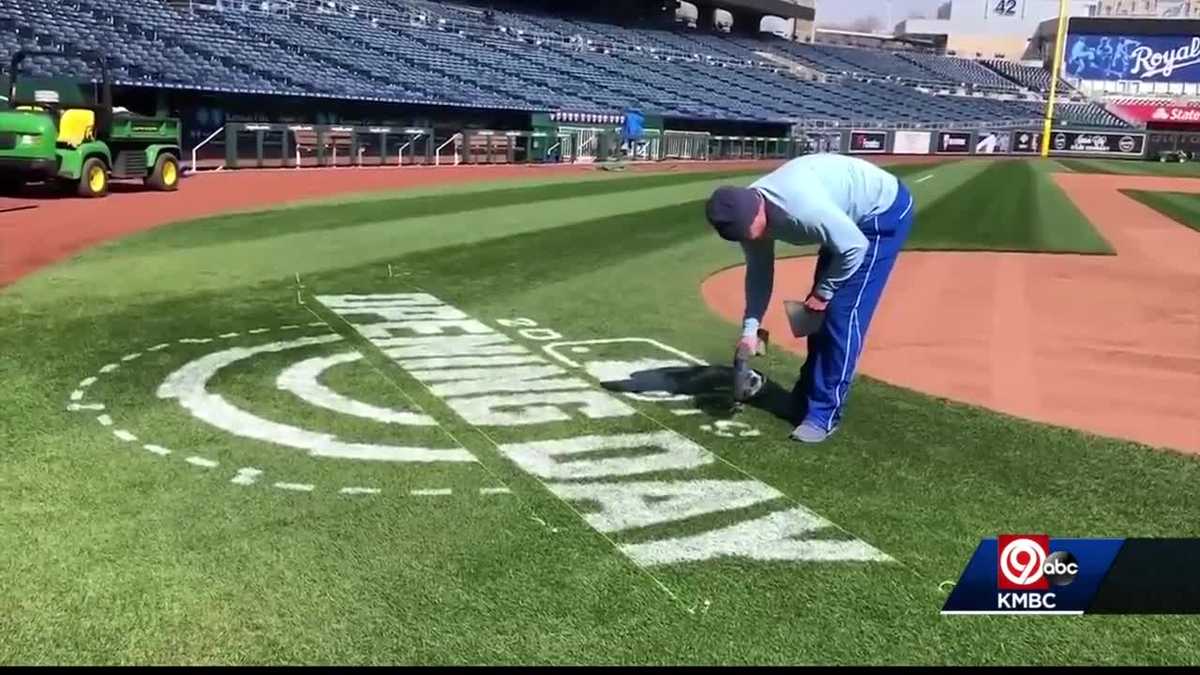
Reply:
x=413, y=51
x=1031, y=77
x=966, y=71
x=1086, y=114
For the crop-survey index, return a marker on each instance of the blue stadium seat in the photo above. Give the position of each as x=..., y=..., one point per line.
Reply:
x=430, y=52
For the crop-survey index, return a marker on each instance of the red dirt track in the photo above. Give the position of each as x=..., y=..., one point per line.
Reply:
x=59, y=227
x=1110, y=345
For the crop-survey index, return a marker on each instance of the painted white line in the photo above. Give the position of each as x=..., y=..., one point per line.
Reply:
x=304, y=380
x=922, y=179
x=259, y=331
x=77, y=395
x=289, y=327
x=195, y=341
x=495, y=491
x=109, y=368
x=124, y=435
x=75, y=407
x=359, y=491
x=246, y=476
x=189, y=383
x=200, y=461
x=88, y=382
x=157, y=449
x=228, y=336
x=431, y=493
x=688, y=411
x=295, y=487
x=131, y=357
x=314, y=324
x=104, y=420
x=159, y=347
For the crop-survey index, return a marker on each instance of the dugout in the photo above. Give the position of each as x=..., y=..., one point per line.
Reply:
x=1170, y=141
x=753, y=147
x=685, y=145
x=490, y=146
x=1172, y=129
x=262, y=145
x=585, y=137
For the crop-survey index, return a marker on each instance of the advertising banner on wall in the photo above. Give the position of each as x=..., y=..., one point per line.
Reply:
x=954, y=142
x=1148, y=111
x=1147, y=58
x=1027, y=142
x=993, y=143
x=1097, y=143
x=911, y=142
x=865, y=142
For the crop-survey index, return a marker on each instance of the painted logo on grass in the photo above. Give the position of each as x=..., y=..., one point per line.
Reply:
x=639, y=465
x=190, y=386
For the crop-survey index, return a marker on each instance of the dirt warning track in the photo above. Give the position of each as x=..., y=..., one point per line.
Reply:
x=1106, y=344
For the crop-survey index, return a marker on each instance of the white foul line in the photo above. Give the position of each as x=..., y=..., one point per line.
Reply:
x=297, y=487
x=359, y=491
x=922, y=179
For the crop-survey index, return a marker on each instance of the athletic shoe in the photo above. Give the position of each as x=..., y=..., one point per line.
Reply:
x=809, y=432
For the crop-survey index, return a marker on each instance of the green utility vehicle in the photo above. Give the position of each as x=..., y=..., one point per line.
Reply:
x=66, y=132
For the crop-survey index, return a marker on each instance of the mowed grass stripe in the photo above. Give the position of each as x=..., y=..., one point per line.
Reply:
x=269, y=223
x=167, y=556
x=1008, y=206
x=1182, y=207
x=125, y=272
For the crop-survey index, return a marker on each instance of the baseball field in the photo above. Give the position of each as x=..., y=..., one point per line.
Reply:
x=312, y=417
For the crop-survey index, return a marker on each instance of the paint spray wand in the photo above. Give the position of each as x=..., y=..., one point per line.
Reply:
x=747, y=382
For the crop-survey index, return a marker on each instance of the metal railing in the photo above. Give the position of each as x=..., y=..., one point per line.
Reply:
x=437, y=156
x=196, y=149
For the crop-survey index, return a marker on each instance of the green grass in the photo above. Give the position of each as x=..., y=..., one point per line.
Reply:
x=1182, y=207
x=1131, y=167
x=1007, y=206
x=116, y=555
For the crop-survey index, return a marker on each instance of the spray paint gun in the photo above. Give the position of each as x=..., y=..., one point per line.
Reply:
x=747, y=382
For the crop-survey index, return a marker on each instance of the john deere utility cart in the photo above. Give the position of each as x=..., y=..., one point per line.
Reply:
x=67, y=132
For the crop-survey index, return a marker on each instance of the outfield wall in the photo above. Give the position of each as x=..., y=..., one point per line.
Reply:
x=294, y=146
x=983, y=141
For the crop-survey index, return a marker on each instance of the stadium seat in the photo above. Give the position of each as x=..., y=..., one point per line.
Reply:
x=415, y=51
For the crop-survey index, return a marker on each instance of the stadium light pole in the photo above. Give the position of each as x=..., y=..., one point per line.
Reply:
x=1060, y=48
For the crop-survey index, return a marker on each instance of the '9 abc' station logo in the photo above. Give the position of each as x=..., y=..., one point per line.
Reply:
x=1026, y=564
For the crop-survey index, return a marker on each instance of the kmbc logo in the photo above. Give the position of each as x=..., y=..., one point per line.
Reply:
x=1025, y=563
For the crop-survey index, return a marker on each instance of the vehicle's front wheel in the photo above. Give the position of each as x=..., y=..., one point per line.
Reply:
x=93, y=180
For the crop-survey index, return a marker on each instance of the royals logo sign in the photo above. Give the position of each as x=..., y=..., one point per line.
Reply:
x=1148, y=62
x=1150, y=58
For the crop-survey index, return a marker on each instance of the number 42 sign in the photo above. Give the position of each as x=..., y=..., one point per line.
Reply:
x=1003, y=7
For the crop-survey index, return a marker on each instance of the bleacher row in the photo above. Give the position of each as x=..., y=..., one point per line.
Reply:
x=412, y=51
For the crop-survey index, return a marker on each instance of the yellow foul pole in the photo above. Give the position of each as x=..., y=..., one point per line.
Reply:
x=1060, y=48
